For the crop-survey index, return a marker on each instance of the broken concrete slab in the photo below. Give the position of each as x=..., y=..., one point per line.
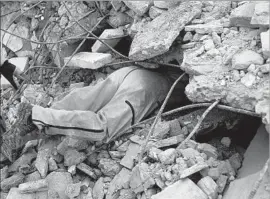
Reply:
x=242, y=60
x=265, y=44
x=12, y=181
x=261, y=15
x=139, y=7
x=181, y=189
x=88, y=60
x=241, y=16
x=21, y=63
x=131, y=155
x=121, y=180
x=33, y=186
x=160, y=33
x=193, y=169
x=208, y=186
x=99, y=47
x=213, y=26
x=58, y=182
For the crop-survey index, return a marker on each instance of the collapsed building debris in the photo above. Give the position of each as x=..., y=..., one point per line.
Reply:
x=222, y=46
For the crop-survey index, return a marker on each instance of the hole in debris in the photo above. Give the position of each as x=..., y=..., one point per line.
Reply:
x=124, y=45
x=241, y=135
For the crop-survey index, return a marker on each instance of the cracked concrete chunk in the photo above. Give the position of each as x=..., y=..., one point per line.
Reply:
x=155, y=12
x=99, y=47
x=58, y=182
x=98, y=190
x=73, y=190
x=245, y=58
x=160, y=33
x=261, y=15
x=241, y=16
x=87, y=169
x=89, y=60
x=139, y=7
x=73, y=157
x=168, y=156
x=213, y=26
x=42, y=164
x=109, y=167
x=34, y=186
x=121, y=180
x=131, y=155
x=193, y=169
x=181, y=189
x=208, y=186
x=12, y=181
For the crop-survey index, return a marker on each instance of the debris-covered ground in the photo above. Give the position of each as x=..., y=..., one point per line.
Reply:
x=223, y=47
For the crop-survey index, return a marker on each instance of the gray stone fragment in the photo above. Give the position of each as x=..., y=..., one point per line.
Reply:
x=160, y=33
x=109, y=167
x=34, y=186
x=193, y=169
x=139, y=7
x=208, y=186
x=12, y=181
x=73, y=157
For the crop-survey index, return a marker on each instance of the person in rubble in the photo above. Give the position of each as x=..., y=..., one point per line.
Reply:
x=100, y=112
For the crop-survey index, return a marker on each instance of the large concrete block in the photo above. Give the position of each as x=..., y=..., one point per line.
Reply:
x=241, y=16
x=260, y=17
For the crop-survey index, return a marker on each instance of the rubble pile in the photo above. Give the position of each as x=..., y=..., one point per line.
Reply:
x=71, y=168
x=222, y=45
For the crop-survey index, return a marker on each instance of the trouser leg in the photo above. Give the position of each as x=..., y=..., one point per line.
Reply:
x=137, y=95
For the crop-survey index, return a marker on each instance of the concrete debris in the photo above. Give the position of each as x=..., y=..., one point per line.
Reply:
x=193, y=169
x=34, y=186
x=214, y=26
x=73, y=157
x=107, y=34
x=241, y=16
x=42, y=162
x=139, y=7
x=245, y=58
x=181, y=189
x=155, y=12
x=221, y=182
x=166, y=4
x=167, y=157
x=52, y=164
x=208, y=186
x=12, y=181
x=98, y=190
x=3, y=173
x=58, y=182
x=35, y=176
x=265, y=44
x=109, y=167
x=87, y=169
x=73, y=190
x=131, y=155
x=261, y=15
x=88, y=60
x=208, y=149
x=162, y=31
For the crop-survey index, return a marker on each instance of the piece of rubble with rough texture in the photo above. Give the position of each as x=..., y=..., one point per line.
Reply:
x=88, y=60
x=265, y=44
x=99, y=47
x=245, y=58
x=33, y=186
x=139, y=7
x=73, y=157
x=208, y=186
x=160, y=33
x=131, y=155
x=58, y=182
x=109, y=167
x=98, y=189
x=181, y=189
x=12, y=181
x=193, y=169
x=261, y=15
x=42, y=162
x=213, y=26
x=73, y=190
